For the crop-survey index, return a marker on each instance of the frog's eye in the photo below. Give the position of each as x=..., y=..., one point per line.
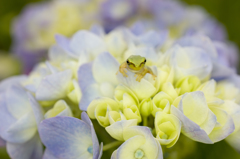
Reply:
x=145, y=61
x=128, y=62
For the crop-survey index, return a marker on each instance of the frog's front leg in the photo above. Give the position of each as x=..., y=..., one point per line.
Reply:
x=151, y=72
x=123, y=69
x=141, y=74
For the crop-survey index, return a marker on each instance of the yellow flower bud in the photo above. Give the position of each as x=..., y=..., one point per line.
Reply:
x=168, y=128
x=99, y=109
x=59, y=109
x=120, y=90
x=115, y=116
x=161, y=102
x=146, y=107
x=130, y=108
x=188, y=84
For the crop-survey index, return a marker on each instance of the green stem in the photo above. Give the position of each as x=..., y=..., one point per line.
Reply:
x=111, y=145
x=145, y=121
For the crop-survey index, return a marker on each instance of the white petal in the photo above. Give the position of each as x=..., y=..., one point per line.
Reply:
x=23, y=130
x=84, y=41
x=191, y=129
x=116, y=130
x=143, y=89
x=105, y=67
x=54, y=86
x=227, y=125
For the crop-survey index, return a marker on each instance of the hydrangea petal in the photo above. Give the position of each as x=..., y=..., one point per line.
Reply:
x=6, y=119
x=153, y=38
x=104, y=68
x=191, y=129
x=66, y=137
x=227, y=125
x=54, y=86
x=15, y=80
x=23, y=129
x=116, y=129
x=88, y=95
x=209, y=123
x=85, y=76
x=60, y=108
x=233, y=110
x=37, y=109
x=143, y=89
x=126, y=150
x=200, y=41
x=17, y=101
x=96, y=151
x=84, y=41
x=234, y=139
x=48, y=155
x=31, y=149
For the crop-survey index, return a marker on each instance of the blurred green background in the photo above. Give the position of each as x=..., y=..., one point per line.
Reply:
x=226, y=11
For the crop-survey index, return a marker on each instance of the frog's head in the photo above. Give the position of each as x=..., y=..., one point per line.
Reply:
x=136, y=62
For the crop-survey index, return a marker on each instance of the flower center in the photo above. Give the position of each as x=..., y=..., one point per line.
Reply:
x=139, y=154
x=164, y=136
x=90, y=149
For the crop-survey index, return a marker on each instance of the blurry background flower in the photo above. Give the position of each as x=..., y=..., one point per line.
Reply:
x=9, y=65
x=33, y=31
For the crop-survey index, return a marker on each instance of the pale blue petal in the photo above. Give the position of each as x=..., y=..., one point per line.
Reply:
x=85, y=41
x=6, y=119
x=114, y=155
x=54, y=86
x=153, y=38
x=17, y=101
x=199, y=41
x=57, y=54
x=220, y=71
x=15, y=80
x=48, y=155
x=85, y=76
x=105, y=67
x=66, y=137
x=191, y=129
x=32, y=149
x=100, y=151
x=23, y=129
x=96, y=150
x=37, y=109
x=98, y=30
x=88, y=95
x=62, y=41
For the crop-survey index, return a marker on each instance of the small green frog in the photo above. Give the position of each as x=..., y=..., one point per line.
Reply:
x=136, y=64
